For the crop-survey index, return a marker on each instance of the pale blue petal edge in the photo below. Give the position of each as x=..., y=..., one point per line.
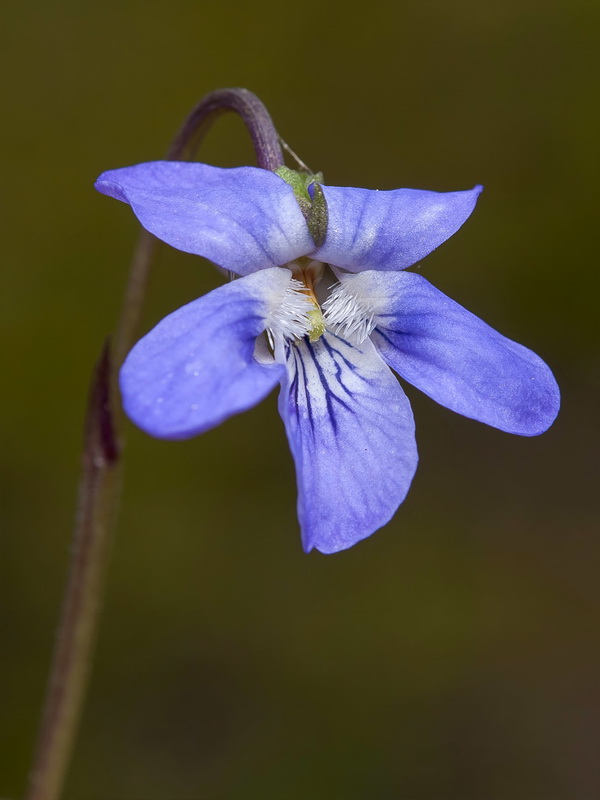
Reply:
x=244, y=219
x=389, y=230
x=197, y=367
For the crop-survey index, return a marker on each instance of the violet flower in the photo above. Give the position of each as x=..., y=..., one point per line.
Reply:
x=326, y=321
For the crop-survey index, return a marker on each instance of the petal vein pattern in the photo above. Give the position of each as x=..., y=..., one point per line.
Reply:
x=351, y=432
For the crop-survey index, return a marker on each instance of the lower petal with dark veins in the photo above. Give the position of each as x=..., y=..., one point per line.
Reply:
x=351, y=432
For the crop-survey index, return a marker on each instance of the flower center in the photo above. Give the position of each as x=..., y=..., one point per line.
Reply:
x=308, y=275
x=308, y=311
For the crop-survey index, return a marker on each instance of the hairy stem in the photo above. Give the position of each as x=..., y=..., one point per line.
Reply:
x=101, y=471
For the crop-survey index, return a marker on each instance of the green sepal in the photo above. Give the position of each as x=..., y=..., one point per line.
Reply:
x=318, y=216
x=313, y=208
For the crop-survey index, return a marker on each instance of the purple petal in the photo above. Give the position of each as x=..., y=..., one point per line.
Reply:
x=197, y=366
x=243, y=219
x=351, y=432
x=390, y=230
x=455, y=357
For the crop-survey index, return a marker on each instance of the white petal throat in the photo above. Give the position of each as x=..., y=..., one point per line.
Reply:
x=290, y=318
x=347, y=314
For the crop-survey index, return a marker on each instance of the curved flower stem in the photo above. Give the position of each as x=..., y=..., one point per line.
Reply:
x=254, y=114
x=265, y=140
x=101, y=471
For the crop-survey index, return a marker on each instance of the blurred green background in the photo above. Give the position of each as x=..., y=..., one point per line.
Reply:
x=456, y=653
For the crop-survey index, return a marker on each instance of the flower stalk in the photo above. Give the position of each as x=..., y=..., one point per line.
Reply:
x=102, y=467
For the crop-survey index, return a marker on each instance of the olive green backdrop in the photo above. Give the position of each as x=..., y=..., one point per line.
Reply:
x=456, y=653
